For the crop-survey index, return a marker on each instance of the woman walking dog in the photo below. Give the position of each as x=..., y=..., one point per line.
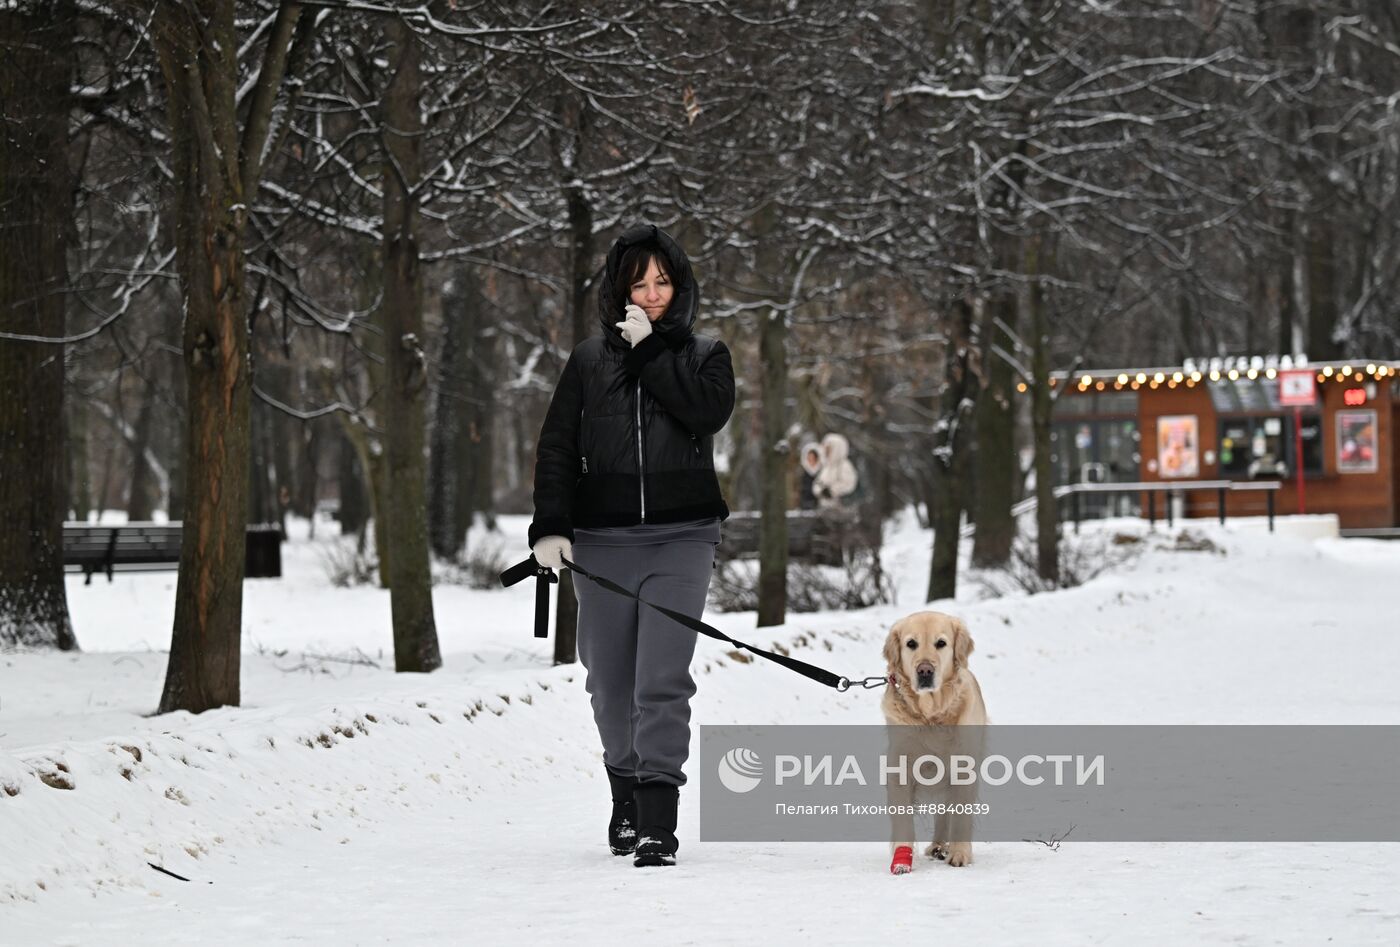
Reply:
x=625, y=486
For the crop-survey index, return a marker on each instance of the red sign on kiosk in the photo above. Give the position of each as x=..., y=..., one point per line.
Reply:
x=1297, y=388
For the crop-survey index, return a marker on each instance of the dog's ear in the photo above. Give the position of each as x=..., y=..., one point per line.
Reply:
x=962, y=643
x=892, y=643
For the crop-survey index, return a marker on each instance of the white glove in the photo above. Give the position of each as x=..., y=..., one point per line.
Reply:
x=636, y=326
x=551, y=551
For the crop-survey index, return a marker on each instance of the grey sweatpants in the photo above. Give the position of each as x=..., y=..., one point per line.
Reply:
x=638, y=660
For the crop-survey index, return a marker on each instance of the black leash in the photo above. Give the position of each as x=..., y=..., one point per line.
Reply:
x=528, y=567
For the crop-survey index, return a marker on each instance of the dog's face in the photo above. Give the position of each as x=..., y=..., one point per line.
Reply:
x=926, y=649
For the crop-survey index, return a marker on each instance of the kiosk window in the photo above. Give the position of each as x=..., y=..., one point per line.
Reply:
x=1262, y=447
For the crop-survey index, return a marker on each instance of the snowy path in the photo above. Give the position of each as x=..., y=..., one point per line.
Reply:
x=469, y=807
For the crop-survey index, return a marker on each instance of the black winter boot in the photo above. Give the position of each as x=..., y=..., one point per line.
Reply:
x=622, y=827
x=656, y=824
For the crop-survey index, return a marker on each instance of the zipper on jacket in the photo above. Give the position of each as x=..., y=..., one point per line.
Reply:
x=641, y=461
x=585, y=463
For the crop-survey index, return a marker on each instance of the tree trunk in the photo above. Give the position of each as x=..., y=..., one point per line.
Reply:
x=139, y=496
x=262, y=470
x=405, y=389
x=957, y=401
x=1322, y=290
x=350, y=478
x=469, y=441
x=311, y=436
x=215, y=171
x=580, y=269
x=36, y=72
x=1047, y=513
x=773, y=497
x=998, y=469
x=445, y=468
x=79, y=474
x=481, y=436
x=197, y=45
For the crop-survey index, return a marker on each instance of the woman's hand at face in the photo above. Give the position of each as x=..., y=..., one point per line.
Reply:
x=636, y=326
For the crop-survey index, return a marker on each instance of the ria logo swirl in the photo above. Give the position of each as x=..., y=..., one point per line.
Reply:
x=740, y=770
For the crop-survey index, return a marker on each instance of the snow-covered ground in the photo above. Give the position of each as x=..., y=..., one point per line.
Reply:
x=344, y=804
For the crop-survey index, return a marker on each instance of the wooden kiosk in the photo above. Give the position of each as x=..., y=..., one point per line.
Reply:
x=1239, y=420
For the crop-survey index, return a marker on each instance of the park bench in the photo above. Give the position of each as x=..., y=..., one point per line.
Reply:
x=143, y=547
x=817, y=536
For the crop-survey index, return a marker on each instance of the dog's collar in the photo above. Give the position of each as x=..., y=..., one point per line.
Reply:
x=893, y=683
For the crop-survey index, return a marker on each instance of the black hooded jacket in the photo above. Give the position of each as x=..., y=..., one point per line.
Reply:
x=629, y=436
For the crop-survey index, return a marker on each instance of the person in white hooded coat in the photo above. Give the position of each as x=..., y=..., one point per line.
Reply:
x=837, y=478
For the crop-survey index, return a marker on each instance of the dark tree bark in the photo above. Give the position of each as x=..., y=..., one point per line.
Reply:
x=773, y=495
x=580, y=262
x=311, y=437
x=354, y=498
x=1047, y=513
x=953, y=434
x=997, y=467
x=445, y=456
x=479, y=444
x=262, y=469
x=140, y=496
x=215, y=174
x=1322, y=290
x=79, y=475
x=36, y=70
x=405, y=389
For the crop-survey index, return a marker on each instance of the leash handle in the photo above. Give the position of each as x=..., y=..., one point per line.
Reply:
x=544, y=578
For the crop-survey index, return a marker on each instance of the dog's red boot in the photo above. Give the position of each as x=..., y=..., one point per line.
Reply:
x=903, y=861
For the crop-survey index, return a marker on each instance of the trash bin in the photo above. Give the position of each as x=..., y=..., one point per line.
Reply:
x=264, y=555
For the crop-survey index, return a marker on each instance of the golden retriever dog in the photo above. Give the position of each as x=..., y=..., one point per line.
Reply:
x=931, y=687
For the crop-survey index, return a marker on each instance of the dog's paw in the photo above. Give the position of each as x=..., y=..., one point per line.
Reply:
x=960, y=854
x=937, y=850
x=903, y=861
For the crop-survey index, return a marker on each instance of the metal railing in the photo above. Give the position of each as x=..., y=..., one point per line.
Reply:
x=1173, y=489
